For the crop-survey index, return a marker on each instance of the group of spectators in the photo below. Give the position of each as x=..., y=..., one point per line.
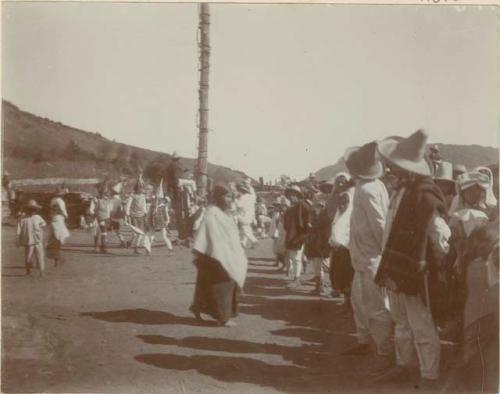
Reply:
x=399, y=234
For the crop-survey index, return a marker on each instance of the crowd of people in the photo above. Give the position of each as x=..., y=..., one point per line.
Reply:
x=398, y=234
x=394, y=237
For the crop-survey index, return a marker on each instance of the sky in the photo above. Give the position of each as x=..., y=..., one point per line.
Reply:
x=291, y=86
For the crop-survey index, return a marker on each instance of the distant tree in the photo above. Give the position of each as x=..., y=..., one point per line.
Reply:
x=122, y=158
x=107, y=152
x=156, y=168
x=137, y=160
x=73, y=149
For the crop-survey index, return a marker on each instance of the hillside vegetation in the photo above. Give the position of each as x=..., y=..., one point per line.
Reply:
x=35, y=147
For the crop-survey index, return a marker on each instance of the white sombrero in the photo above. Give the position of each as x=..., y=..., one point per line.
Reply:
x=407, y=153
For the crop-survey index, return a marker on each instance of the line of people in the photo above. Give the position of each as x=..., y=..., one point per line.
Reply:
x=395, y=236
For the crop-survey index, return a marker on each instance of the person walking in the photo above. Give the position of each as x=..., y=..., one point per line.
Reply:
x=246, y=215
x=370, y=203
x=415, y=239
x=161, y=217
x=58, y=232
x=136, y=210
x=220, y=261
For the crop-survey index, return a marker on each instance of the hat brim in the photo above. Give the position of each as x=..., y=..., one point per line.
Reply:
x=375, y=173
x=387, y=149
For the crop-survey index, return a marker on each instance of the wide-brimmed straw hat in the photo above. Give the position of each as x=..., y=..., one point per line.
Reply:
x=444, y=172
x=294, y=189
x=33, y=204
x=362, y=162
x=407, y=153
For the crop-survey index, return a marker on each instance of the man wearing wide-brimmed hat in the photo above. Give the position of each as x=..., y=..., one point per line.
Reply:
x=370, y=204
x=296, y=221
x=415, y=239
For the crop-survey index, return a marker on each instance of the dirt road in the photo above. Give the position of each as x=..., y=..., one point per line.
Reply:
x=120, y=323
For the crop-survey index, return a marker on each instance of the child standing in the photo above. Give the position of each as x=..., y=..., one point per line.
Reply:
x=30, y=235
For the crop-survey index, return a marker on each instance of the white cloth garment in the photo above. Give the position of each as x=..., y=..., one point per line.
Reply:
x=320, y=264
x=58, y=203
x=246, y=208
x=58, y=229
x=468, y=220
x=491, y=200
x=218, y=238
x=294, y=258
x=246, y=234
x=370, y=314
x=341, y=224
x=369, y=210
x=414, y=329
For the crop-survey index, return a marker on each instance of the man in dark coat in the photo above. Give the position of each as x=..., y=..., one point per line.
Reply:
x=415, y=239
x=297, y=226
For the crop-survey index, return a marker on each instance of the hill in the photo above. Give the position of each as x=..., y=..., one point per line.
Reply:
x=470, y=155
x=36, y=147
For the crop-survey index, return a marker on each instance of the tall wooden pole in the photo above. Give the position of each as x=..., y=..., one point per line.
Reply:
x=204, y=45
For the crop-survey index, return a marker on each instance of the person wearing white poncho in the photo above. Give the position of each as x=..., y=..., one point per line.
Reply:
x=220, y=260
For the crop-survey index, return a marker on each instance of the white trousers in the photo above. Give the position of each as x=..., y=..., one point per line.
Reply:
x=414, y=329
x=247, y=234
x=370, y=314
x=319, y=265
x=294, y=258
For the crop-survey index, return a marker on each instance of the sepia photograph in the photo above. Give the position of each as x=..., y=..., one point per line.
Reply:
x=249, y=198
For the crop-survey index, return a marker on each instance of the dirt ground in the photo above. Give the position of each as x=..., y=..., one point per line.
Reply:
x=120, y=323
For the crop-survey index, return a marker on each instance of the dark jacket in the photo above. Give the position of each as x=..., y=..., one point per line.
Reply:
x=408, y=253
x=317, y=245
x=297, y=226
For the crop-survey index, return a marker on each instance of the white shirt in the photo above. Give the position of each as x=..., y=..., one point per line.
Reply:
x=369, y=210
x=246, y=208
x=59, y=203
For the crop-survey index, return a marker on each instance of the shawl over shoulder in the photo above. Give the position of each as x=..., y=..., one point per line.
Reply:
x=218, y=238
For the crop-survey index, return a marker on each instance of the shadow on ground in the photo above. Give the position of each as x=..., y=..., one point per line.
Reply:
x=144, y=316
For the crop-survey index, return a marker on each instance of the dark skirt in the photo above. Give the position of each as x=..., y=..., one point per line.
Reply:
x=341, y=271
x=216, y=294
x=54, y=249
